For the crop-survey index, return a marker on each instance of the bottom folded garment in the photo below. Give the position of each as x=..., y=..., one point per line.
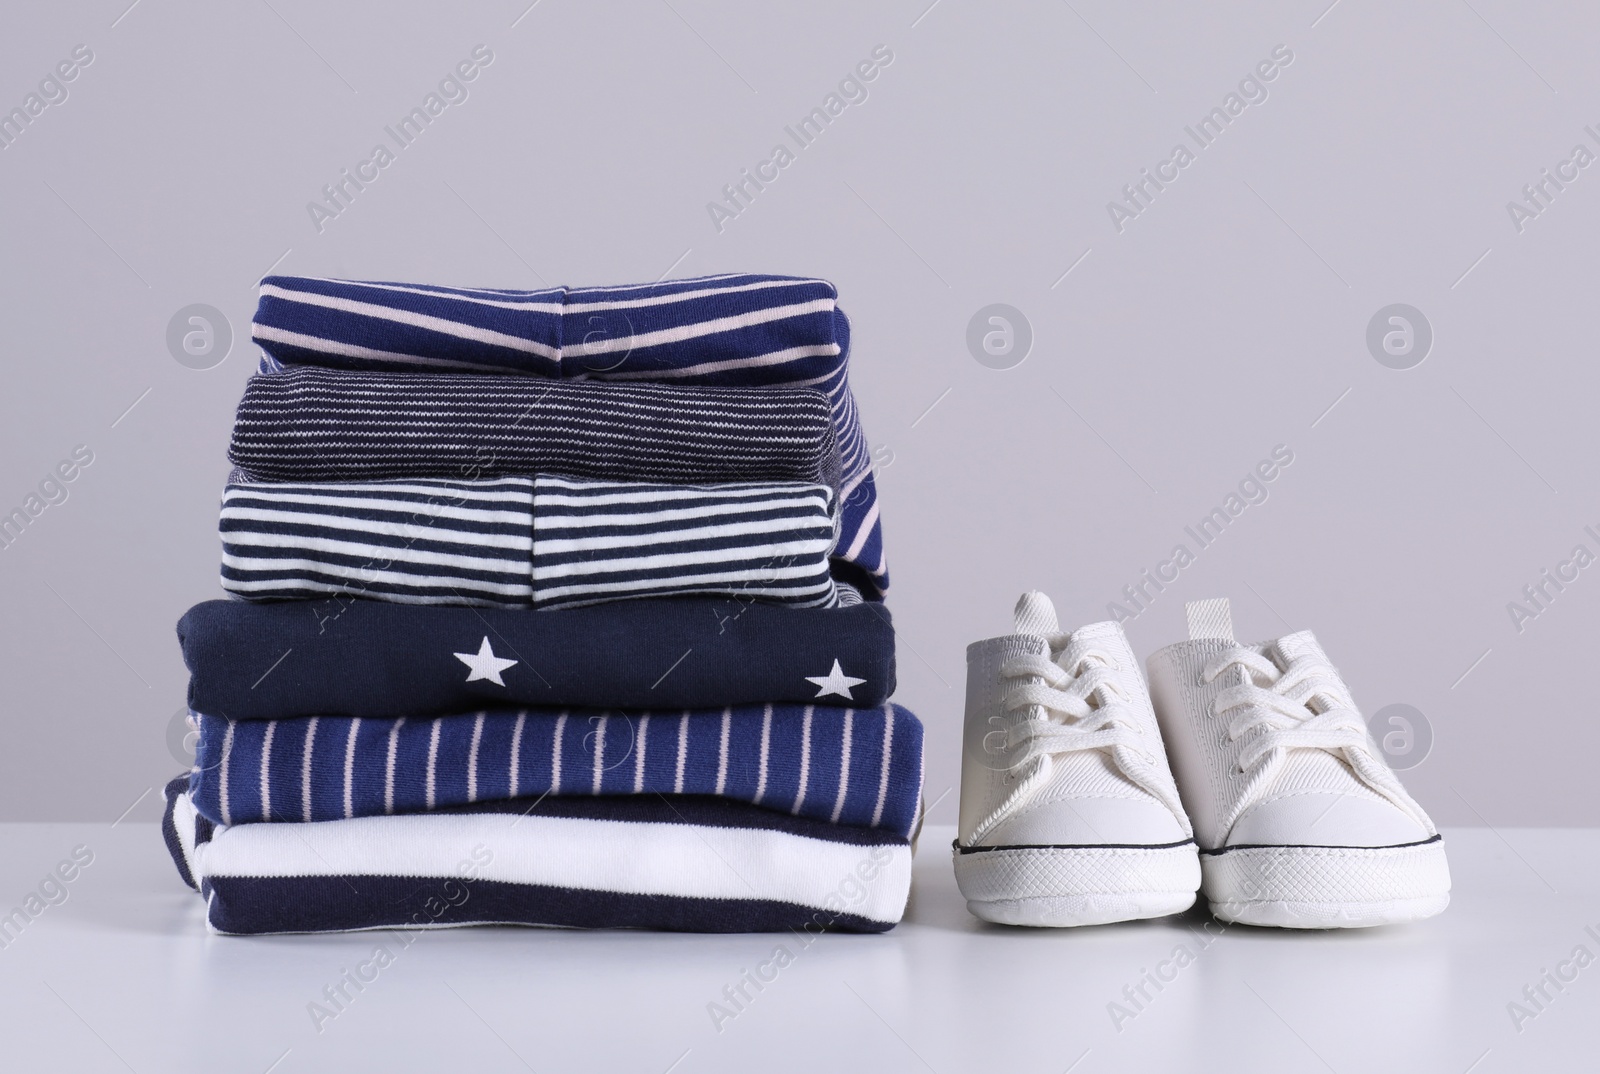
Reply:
x=690, y=864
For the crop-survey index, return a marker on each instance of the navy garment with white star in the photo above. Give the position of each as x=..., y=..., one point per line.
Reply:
x=344, y=657
x=857, y=767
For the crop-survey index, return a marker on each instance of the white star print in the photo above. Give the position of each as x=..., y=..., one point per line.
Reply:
x=484, y=664
x=834, y=682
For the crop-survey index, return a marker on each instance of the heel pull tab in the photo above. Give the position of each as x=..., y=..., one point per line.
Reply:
x=1209, y=619
x=1034, y=614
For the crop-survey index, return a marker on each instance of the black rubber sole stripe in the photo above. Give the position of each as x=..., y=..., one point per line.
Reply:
x=1316, y=846
x=1073, y=846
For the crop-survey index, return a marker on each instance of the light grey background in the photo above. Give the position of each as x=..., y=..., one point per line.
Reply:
x=1226, y=319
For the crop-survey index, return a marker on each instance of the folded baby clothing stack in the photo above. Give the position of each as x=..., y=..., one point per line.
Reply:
x=556, y=608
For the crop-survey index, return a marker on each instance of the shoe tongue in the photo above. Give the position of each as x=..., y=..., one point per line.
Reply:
x=1209, y=619
x=1308, y=770
x=1092, y=774
x=1292, y=647
x=1034, y=614
x=1106, y=638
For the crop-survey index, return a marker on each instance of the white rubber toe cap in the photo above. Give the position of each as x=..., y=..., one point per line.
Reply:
x=1325, y=818
x=1089, y=822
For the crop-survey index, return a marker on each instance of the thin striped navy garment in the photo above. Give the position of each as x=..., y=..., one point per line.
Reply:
x=735, y=330
x=330, y=425
x=860, y=767
x=595, y=541
x=551, y=542
x=688, y=863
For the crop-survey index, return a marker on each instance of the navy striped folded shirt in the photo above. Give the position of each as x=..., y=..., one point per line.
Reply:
x=551, y=542
x=688, y=864
x=735, y=330
x=330, y=425
x=860, y=767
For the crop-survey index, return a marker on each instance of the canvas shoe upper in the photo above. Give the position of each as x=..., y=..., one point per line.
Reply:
x=1299, y=820
x=1069, y=813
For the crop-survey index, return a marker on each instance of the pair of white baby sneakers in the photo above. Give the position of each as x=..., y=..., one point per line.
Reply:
x=1282, y=812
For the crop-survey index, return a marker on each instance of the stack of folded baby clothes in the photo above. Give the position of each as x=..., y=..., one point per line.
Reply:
x=558, y=608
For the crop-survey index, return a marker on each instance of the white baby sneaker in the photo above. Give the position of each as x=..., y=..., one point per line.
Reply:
x=1069, y=813
x=1301, y=824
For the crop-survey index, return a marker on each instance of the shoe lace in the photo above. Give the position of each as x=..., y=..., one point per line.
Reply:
x=1083, y=707
x=1302, y=706
x=1070, y=709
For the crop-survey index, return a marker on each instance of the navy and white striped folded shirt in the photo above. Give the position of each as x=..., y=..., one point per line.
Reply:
x=688, y=864
x=329, y=425
x=860, y=767
x=734, y=330
x=551, y=542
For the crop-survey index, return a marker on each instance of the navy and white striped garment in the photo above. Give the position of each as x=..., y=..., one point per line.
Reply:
x=596, y=541
x=330, y=425
x=551, y=542
x=860, y=767
x=736, y=330
x=686, y=864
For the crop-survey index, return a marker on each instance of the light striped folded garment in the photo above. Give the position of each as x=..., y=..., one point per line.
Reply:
x=686, y=864
x=549, y=542
x=733, y=330
x=333, y=425
x=858, y=767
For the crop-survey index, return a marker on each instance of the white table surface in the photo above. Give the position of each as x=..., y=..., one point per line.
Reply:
x=122, y=976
